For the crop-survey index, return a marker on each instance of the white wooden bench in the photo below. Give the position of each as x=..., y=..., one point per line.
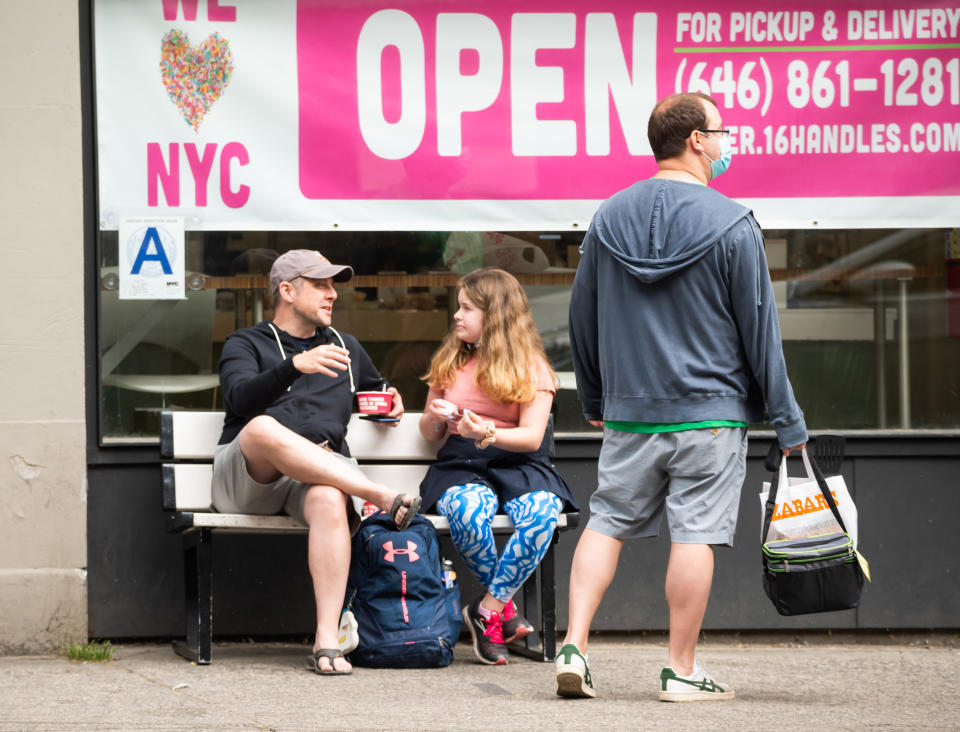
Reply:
x=397, y=456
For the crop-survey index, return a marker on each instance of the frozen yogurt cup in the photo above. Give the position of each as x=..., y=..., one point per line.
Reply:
x=448, y=409
x=374, y=402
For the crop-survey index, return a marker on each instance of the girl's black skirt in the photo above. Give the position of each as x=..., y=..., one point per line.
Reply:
x=509, y=474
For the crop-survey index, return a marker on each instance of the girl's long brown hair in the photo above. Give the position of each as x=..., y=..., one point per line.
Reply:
x=509, y=349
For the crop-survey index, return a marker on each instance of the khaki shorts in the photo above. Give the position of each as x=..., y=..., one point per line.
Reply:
x=695, y=475
x=234, y=491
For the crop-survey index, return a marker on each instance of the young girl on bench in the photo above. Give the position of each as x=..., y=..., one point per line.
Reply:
x=491, y=391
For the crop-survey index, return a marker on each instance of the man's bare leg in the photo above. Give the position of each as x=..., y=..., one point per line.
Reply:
x=689, y=576
x=592, y=571
x=328, y=556
x=271, y=450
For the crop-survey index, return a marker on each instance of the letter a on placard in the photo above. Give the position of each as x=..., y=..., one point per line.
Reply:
x=151, y=258
x=144, y=255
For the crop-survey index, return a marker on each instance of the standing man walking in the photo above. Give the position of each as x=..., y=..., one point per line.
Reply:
x=676, y=348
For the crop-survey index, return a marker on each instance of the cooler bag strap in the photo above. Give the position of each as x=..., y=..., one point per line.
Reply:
x=822, y=482
x=771, y=504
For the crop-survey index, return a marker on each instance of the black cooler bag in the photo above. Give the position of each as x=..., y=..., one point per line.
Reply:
x=812, y=574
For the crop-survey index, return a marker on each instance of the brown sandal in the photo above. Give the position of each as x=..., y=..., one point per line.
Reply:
x=412, y=509
x=313, y=662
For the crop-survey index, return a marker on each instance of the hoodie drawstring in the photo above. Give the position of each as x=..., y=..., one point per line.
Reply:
x=283, y=354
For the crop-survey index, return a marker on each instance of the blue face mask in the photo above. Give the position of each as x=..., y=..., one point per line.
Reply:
x=720, y=165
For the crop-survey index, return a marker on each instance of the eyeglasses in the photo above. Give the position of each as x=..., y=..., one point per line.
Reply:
x=722, y=133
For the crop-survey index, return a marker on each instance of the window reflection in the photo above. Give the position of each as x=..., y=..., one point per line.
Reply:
x=866, y=329
x=869, y=334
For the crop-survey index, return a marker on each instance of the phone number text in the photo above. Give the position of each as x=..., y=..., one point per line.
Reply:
x=747, y=85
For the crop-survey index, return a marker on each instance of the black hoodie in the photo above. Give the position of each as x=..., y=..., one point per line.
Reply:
x=256, y=379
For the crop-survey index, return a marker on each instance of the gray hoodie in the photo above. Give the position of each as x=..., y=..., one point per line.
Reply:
x=672, y=316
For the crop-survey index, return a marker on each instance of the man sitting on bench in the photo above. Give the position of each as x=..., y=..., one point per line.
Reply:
x=288, y=387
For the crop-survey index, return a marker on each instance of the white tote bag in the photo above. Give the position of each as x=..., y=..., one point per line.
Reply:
x=802, y=509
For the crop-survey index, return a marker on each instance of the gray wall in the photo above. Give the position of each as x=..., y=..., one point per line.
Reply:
x=42, y=430
x=907, y=506
x=906, y=490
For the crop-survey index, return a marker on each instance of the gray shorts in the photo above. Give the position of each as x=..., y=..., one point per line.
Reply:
x=696, y=474
x=234, y=491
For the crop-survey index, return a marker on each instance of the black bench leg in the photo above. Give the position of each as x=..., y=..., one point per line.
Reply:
x=541, y=646
x=548, y=601
x=198, y=596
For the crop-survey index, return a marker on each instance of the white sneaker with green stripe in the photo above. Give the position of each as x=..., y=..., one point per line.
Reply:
x=573, y=675
x=698, y=686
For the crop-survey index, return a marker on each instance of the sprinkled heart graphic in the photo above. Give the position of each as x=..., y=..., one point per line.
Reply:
x=195, y=76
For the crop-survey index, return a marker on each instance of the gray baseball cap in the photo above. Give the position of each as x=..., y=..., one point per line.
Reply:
x=306, y=263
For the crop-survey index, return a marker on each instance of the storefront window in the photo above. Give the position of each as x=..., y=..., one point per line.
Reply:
x=871, y=329
x=866, y=318
x=163, y=354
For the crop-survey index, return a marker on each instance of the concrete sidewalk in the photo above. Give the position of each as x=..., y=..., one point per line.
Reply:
x=905, y=682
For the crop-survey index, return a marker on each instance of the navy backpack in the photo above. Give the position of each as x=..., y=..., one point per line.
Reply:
x=397, y=596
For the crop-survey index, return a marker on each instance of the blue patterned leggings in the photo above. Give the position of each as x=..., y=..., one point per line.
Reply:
x=470, y=510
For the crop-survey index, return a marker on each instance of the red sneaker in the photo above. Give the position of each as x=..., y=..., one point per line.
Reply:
x=487, y=634
x=515, y=626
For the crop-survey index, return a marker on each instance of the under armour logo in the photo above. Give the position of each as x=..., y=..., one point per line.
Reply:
x=389, y=552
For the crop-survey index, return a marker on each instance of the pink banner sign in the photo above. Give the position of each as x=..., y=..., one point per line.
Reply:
x=538, y=100
x=522, y=115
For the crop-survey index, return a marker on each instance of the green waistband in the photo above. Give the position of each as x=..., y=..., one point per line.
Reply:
x=649, y=427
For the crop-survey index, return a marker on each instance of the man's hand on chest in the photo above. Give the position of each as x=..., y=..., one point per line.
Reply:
x=327, y=359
